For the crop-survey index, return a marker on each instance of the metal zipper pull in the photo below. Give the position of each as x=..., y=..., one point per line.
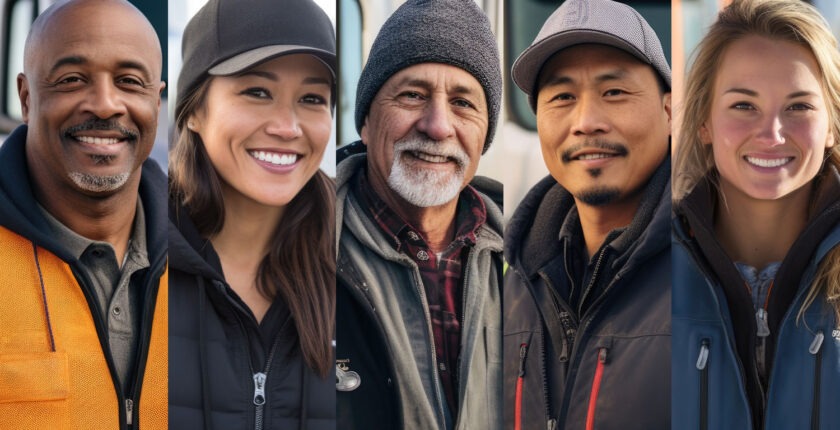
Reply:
x=703, y=357
x=761, y=323
x=129, y=411
x=552, y=424
x=523, y=352
x=817, y=343
x=259, y=388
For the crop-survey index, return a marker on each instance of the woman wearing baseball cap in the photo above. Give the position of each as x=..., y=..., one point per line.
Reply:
x=756, y=254
x=252, y=254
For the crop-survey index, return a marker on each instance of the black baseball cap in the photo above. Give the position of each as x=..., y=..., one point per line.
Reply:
x=227, y=37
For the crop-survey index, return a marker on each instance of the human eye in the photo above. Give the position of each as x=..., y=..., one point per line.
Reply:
x=463, y=103
x=68, y=82
x=313, y=99
x=563, y=97
x=256, y=92
x=800, y=107
x=742, y=106
x=612, y=92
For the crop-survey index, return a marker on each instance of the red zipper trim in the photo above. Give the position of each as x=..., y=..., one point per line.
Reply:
x=520, y=382
x=596, y=387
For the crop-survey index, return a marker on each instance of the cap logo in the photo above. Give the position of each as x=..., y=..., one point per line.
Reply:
x=579, y=15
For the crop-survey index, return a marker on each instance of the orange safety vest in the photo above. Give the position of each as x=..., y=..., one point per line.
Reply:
x=68, y=386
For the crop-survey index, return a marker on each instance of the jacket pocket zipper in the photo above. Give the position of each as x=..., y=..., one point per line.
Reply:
x=520, y=382
x=816, y=350
x=703, y=367
x=596, y=387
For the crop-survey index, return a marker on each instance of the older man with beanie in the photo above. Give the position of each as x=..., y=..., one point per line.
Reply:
x=419, y=237
x=587, y=299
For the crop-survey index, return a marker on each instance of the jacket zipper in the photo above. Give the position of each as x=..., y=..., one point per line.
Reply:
x=761, y=341
x=260, y=379
x=592, y=280
x=703, y=367
x=520, y=382
x=596, y=388
x=816, y=350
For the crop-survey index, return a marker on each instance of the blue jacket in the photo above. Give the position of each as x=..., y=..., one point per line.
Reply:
x=710, y=380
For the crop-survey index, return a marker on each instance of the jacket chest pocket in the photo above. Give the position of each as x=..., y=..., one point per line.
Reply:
x=33, y=390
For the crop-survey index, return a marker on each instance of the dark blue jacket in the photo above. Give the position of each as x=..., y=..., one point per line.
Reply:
x=710, y=380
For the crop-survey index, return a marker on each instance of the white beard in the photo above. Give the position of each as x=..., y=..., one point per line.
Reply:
x=426, y=188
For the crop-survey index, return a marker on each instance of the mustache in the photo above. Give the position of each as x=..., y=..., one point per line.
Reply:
x=100, y=125
x=617, y=148
x=420, y=144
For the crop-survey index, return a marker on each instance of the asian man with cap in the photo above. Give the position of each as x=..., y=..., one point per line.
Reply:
x=419, y=236
x=587, y=298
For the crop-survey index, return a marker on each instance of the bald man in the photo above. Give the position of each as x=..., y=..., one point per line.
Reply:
x=83, y=227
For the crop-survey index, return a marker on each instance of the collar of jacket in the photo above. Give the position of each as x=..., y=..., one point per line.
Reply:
x=488, y=235
x=185, y=245
x=531, y=238
x=19, y=211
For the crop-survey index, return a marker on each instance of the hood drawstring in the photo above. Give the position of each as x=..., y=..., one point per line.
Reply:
x=202, y=353
x=44, y=295
x=304, y=393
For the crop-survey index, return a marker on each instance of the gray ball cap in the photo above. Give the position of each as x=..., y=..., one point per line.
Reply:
x=589, y=21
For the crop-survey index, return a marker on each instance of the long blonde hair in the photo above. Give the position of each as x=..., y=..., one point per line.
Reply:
x=786, y=20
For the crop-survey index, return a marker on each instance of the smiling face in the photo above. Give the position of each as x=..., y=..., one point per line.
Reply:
x=90, y=93
x=266, y=129
x=768, y=124
x=425, y=132
x=603, y=123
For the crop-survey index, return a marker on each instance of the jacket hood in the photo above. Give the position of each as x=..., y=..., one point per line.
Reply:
x=353, y=157
x=185, y=245
x=19, y=211
x=532, y=236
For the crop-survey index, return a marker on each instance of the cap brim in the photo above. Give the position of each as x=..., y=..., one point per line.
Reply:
x=527, y=67
x=246, y=60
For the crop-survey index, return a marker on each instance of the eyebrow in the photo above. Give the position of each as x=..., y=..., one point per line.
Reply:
x=752, y=93
x=422, y=83
x=312, y=80
x=612, y=75
x=79, y=60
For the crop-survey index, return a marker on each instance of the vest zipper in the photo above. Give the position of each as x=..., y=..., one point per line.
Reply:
x=763, y=331
x=816, y=350
x=596, y=387
x=703, y=367
x=260, y=378
x=129, y=412
x=520, y=382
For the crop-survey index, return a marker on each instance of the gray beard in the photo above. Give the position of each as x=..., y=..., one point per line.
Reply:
x=98, y=184
x=426, y=188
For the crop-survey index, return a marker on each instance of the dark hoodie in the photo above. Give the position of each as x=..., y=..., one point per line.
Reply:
x=216, y=348
x=609, y=364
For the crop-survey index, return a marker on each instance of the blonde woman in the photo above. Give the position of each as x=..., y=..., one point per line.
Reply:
x=757, y=203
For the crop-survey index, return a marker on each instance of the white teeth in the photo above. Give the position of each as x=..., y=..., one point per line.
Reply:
x=274, y=158
x=97, y=140
x=768, y=162
x=429, y=157
x=593, y=156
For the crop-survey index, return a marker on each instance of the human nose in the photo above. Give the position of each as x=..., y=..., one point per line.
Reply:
x=104, y=100
x=436, y=121
x=284, y=123
x=771, y=132
x=589, y=118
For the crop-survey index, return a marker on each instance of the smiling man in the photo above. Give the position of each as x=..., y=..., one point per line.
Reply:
x=83, y=226
x=587, y=299
x=419, y=240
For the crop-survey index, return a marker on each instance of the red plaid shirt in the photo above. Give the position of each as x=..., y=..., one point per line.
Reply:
x=442, y=274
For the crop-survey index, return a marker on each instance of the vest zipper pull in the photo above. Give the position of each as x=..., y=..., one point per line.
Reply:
x=761, y=323
x=817, y=343
x=703, y=357
x=129, y=411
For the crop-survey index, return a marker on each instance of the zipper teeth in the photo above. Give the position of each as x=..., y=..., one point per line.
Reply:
x=591, y=280
x=436, y=382
x=596, y=388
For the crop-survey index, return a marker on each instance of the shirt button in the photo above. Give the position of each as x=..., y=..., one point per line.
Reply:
x=442, y=366
x=422, y=255
x=413, y=236
x=117, y=310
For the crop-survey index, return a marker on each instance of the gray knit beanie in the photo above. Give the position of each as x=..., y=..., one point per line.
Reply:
x=454, y=32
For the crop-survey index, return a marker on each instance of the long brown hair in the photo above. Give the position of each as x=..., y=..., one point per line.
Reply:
x=300, y=265
x=788, y=20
